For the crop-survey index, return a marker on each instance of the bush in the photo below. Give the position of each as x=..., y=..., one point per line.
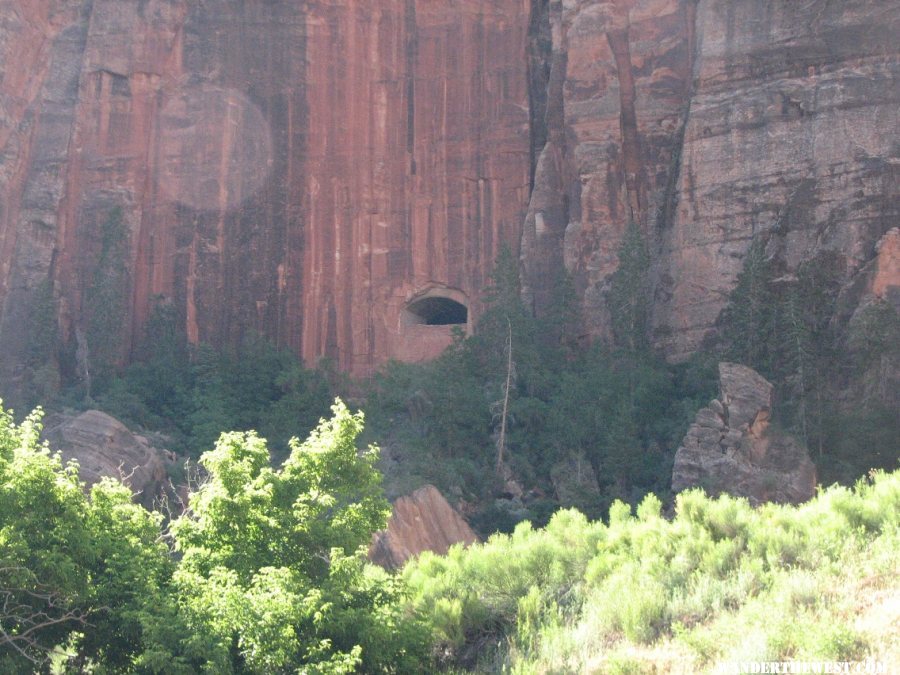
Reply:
x=708, y=580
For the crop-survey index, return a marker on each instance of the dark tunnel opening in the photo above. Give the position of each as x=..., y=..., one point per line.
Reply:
x=435, y=311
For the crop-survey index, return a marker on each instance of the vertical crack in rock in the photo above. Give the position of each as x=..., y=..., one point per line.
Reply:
x=632, y=163
x=411, y=49
x=294, y=206
x=540, y=47
x=543, y=232
x=666, y=214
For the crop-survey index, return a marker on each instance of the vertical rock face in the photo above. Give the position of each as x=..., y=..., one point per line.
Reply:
x=618, y=84
x=303, y=170
x=416, y=165
x=312, y=170
x=731, y=448
x=708, y=123
x=792, y=136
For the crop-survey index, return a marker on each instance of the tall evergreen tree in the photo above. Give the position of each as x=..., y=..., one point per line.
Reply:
x=748, y=322
x=629, y=291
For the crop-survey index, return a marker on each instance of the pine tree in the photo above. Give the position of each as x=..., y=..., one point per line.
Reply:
x=748, y=322
x=629, y=291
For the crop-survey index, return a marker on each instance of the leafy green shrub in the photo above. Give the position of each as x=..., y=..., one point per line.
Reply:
x=270, y=572
x=710, y=580
x=272, y=568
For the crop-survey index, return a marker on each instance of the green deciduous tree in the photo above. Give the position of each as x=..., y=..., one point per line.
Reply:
x=76, y=570
x=272, y=575
x=269, y=574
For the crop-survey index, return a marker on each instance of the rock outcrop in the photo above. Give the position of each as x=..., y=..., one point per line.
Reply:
x=103, y=446
x=422, y=521
x=731, y=447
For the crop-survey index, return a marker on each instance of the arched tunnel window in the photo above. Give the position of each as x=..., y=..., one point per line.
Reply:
x=436, y=311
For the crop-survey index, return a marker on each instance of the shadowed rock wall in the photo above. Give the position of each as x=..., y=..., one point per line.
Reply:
x=791, y=135
x=618, y=87
x=709, y=122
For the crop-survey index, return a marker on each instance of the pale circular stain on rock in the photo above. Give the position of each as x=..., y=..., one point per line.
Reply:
x=216, y=147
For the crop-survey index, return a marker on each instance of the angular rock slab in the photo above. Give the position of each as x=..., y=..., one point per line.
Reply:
x=422, y=521
x=731, y=448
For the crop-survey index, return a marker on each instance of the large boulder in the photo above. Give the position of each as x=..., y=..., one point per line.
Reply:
x=103, y=446
x=732, y=448
x=422, y=521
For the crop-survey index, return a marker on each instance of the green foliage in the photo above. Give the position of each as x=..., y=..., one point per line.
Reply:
x=268, y=571
x=75, y=569
x=623, y=410
x=193, y=393
x=629, y=294
x=832, y=378
x=247, y=515
x=710, y=584
x=874, y=333
x=748, y=322
x=105, y=298
x=42, y=331
x=272, y=572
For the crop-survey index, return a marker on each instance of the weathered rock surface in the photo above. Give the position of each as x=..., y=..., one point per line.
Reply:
x=299, y=169
x=422, y=521
x=618, y=81
x=792, y=136
x=708, y=123
x=879, y=280
x=103, y=446
x=731, y=447
x=307, y=170
x=874, y=288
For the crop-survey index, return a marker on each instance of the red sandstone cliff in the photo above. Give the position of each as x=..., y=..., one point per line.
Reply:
x=299, y=169
x=307, y=170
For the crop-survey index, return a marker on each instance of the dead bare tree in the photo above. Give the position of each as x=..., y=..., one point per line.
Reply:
x=27, y=613
x=504, y=413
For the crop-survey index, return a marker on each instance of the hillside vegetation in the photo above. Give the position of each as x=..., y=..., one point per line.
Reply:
x=519, y=422
x=265, y=573
x=524, y=400
x=720, y=581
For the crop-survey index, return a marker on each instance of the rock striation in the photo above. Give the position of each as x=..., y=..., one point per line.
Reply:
x=309, y=171
x=617, y=85
x=301, y=170
x=422, y=521
x=790, y=136
x=708, y=123
x=103, y=446
x=731, y=448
